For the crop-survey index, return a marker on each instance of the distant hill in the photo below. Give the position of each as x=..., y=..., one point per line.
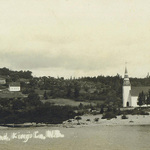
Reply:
x=15, y=75
x=100, y=88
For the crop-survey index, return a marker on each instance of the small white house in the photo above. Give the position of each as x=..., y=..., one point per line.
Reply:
x=14, y=86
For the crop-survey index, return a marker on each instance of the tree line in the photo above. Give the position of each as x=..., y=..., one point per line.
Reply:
x=31, y=109
x=100, y=88
x=144, y=98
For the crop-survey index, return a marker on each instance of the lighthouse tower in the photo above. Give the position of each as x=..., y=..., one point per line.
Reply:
x=126, y=90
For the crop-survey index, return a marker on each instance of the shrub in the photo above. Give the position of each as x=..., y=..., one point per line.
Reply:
x=95, y=113
x=131, y=121
x=139, y=112
x=69, y=120
x=78, y=118
x=109, y=115
x=88, y=120
x=124, y=117
x=144, y=113
x=96, y=119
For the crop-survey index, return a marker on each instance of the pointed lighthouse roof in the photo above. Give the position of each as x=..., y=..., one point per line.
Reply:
x=126, y=81
x=126, y=70
x=126, y=73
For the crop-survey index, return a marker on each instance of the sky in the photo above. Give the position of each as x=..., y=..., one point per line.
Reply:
x=75, y=37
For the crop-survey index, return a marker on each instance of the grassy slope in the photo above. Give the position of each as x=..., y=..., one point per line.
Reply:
x=63, y=102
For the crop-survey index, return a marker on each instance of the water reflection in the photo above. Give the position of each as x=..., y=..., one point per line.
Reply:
x=84, y=138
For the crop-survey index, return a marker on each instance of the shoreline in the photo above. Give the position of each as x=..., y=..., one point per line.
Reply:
x=88, y=121
x=132, y=120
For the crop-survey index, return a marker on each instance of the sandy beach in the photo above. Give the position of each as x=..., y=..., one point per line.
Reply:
x=89, y=120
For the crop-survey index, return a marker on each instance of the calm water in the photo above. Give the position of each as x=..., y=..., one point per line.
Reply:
x=84, y=138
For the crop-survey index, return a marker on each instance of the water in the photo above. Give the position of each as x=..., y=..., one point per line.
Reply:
x=81, y=138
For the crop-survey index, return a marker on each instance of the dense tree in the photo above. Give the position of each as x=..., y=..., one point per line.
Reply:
x=33, y=99
x=76, y=91
x=147, y=99
x=15, y=74
x=17, y=104
x=141, y=99
x=45, y=95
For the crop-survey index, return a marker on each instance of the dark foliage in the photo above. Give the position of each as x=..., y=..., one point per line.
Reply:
x=32, y=110
x=136, y=111
x=124, y=117
x=109, y=115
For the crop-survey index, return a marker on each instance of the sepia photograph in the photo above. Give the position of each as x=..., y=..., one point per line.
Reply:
x=74, y=75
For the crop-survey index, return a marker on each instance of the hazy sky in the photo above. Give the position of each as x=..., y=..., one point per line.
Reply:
x=75, y=37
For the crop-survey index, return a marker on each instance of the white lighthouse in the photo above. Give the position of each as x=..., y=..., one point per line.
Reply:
x=126, y=90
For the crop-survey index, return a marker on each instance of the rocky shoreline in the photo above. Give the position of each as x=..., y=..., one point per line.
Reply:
x=94, y=120
x=89, y=120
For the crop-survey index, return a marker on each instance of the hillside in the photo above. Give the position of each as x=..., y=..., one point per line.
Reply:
x=106, y=89
x=53, y=100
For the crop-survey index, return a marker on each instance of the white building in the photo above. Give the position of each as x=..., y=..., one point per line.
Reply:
x=14, y=87
x=130, y=94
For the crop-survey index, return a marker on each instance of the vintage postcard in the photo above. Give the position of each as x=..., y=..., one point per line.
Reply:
x=74, y=74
